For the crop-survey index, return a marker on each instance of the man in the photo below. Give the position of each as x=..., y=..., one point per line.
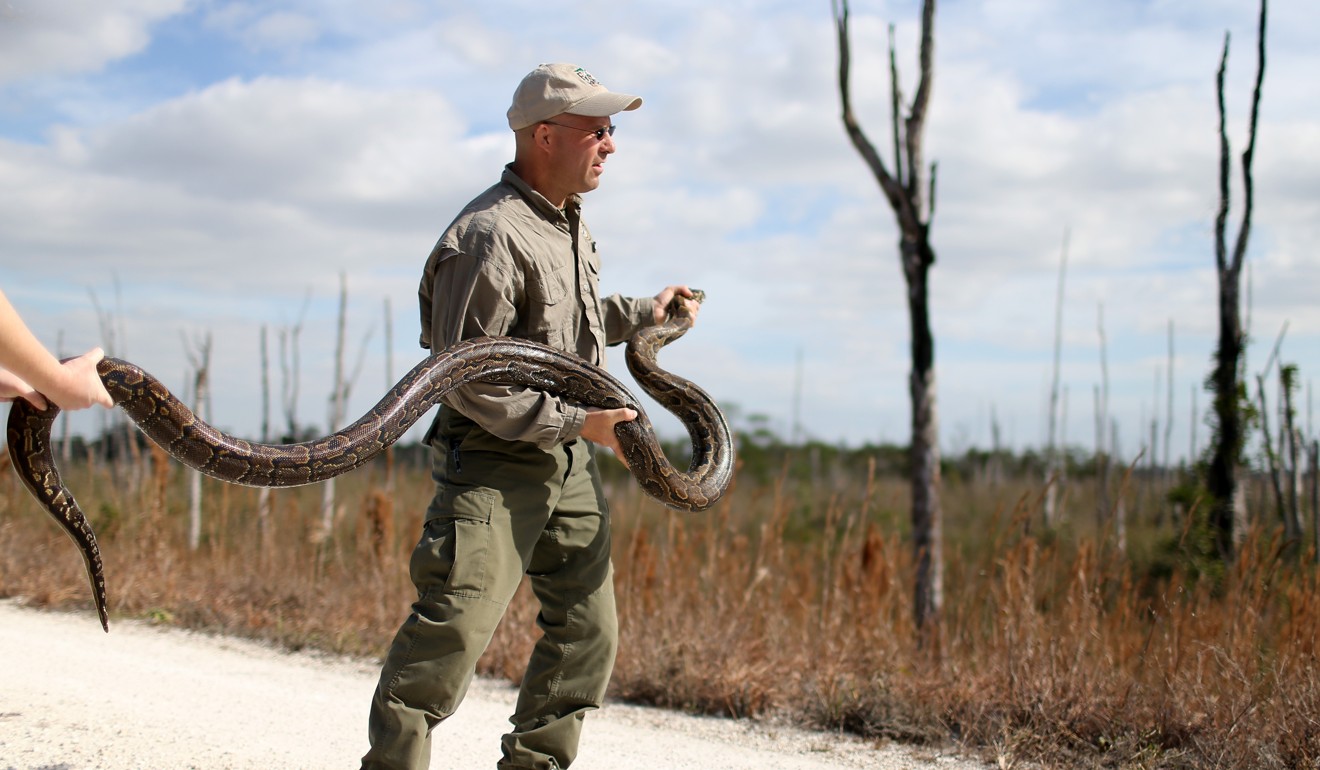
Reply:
x=517, y=487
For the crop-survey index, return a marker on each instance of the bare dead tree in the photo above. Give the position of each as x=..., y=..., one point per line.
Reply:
x=1103, y=450
x=1168, y=420
x=265, y=387
x=1119, y=512
x=1151, y=483
x=1226, y=378
x=379, y=509
x=1276, y=459
x=1315, y=498
x=995, y=468
x=263, y=494
x=117, y=432
x=341, y=387
x=1063, y=442
x=291, y=371
x=1288, y=384
x=910, y=191
x=1310, y=483
x=1166, y=472
x=1054, y=474
x=1271, y=458
x=199, y=355
x=108, y=419
x=336, y=407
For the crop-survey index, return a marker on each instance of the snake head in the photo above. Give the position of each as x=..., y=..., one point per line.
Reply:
x=678, y=309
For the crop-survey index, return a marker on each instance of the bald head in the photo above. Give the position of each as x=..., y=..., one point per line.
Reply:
x=564, y=155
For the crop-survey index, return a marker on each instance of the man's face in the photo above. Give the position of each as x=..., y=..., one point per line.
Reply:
x=577, y=157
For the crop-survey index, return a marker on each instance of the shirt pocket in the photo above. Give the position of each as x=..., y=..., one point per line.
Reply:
x=549, y=284
x=549, y=315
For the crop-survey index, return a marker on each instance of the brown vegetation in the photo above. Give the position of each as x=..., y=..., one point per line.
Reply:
x=792, y=599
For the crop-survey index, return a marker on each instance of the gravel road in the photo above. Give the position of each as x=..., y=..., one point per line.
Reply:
x=147, y=698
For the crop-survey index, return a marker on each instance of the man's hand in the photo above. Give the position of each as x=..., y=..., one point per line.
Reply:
x=599, y=428
x=660, y=306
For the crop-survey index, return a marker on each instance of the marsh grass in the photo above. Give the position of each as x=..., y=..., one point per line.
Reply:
x=791, y=600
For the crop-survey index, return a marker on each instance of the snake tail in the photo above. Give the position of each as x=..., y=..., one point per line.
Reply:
x=28, y=433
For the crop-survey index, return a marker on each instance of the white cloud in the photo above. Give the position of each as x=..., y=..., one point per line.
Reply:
x=282, y=177
x=283, y=30
x=43, y=38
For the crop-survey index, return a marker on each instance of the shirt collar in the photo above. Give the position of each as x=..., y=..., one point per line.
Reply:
x=539, y=201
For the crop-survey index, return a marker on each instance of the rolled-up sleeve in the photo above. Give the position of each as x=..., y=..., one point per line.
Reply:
x=625, y=316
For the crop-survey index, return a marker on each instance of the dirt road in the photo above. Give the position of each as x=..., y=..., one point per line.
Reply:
x=145, y=698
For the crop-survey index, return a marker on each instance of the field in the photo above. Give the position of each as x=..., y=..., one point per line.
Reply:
x=791, y=599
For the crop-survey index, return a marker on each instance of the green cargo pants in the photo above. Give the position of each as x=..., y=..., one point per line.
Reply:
x=501, y=510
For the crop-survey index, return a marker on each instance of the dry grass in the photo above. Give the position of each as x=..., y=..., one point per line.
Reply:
x=790, y=599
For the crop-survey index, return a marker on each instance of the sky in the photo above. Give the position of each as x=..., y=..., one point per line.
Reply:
x=174, y=169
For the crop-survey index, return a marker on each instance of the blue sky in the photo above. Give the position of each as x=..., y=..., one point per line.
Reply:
x=209, y=166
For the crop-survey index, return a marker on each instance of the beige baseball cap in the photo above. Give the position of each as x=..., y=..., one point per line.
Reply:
x=554, y=89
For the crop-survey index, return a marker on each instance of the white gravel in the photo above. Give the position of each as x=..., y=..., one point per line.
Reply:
x=147, y=698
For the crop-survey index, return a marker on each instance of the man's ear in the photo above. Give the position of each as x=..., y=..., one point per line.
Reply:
x=541, y=135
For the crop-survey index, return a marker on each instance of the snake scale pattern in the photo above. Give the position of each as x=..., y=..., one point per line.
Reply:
x=505, y=360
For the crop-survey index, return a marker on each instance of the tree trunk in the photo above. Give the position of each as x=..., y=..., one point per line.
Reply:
x=1222, y=475
x=1053, y=467
x=263, y=494
x=338, y=397
x=1168, y=420
x=1315, y=498
x=291, y=372
x=1273, y=460
x=1119, y=511
x=201, y=361
x=1291, y=440
x=1103, y=445
x=927, y=514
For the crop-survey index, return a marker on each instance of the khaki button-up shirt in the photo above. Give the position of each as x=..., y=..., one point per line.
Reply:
x=512, y=264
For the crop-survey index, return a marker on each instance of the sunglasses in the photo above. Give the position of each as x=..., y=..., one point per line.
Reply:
x=599, y=133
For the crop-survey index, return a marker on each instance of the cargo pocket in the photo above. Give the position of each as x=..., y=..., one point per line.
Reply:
x=460, y=543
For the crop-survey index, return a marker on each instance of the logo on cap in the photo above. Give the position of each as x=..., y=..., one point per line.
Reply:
x=587, y=78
